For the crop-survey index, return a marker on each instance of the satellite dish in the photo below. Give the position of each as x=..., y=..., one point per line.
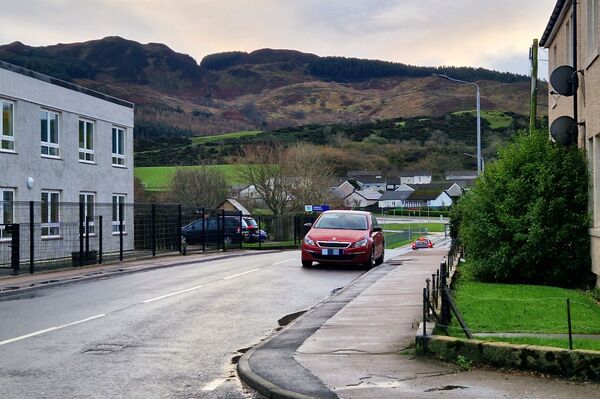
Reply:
x=564, y=80
x=564, y=130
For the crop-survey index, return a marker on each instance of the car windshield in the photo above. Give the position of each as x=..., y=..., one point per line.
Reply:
x=251, y=222
x=342, y=221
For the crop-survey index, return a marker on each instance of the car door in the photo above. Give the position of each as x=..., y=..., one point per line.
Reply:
x=378, y=239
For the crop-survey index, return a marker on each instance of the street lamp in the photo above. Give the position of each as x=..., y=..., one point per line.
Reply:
x=479, y=160
x=475, y=156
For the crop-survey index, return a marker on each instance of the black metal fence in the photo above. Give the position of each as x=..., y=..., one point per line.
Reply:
x=43, y=235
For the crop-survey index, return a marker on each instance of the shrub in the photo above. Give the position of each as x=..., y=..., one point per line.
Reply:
x=526, y=218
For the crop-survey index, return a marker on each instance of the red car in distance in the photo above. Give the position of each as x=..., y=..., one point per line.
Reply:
x=344, y=237
x=422, y=242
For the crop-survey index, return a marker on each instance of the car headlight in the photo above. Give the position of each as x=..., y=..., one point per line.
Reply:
x=308, y=241
x=360, y=243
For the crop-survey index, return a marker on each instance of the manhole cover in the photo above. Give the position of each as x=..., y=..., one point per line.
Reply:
x=104, y=349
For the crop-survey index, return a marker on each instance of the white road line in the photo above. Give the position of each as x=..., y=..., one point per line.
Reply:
x=241, y=274
x=284, y=261
x=33, y=334
x=171, y=294
x=211, y=386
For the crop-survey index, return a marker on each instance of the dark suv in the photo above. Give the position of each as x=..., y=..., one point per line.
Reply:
x=212, y=230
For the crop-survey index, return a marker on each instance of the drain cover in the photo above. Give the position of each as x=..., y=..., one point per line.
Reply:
x=104, y=349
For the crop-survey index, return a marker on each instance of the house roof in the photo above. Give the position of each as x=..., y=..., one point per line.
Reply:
x=62, y=83
x=424, y=195
x=455, y=174
x=368, y=194
x=409, y=173
x=395, y=195
x=554, y=18
x=370, y=179
x=236, y=205
x=394, y=180
x=437, y=186
x=355, y=173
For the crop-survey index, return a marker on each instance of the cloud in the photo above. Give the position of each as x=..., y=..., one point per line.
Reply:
x=424, y=32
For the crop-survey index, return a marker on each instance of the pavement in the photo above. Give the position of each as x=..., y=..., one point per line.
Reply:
x=358, y=344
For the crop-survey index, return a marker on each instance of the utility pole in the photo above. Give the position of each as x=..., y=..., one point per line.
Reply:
x=533, y=55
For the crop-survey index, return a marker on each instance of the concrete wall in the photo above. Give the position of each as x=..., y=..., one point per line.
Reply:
x=588, y=105
x=66, y=174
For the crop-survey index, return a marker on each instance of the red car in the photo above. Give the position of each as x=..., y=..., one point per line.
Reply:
x=422, y=242
x=344, y=237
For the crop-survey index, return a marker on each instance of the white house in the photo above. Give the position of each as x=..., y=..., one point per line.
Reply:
x=362, y=199
x=60, y=145
x=416, y=177
x=428, y=199
x=461, y=175
x=393, y=199
x=374, y=183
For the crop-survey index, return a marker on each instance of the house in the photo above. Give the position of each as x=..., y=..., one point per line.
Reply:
x=578, y=45
x=343, y=190
x=362, y=199
x=393, y=199
x=405, y=187
x=373, y=183
x=461, y=175
x=430, y=198
x=392, y=183
x=415, y=177
x=62, y=145
x=231, y=204
x=249, y=192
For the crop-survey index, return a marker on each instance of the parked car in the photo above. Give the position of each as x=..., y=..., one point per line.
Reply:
x=422, y=242
x=252, y=233
x=210, y=230
x=344, y=237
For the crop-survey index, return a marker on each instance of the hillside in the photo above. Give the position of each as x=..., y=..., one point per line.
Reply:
x=265, y=89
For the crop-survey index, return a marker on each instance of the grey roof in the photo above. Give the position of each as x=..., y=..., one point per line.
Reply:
x=395, y=195
x=236, y=205
x=553, y=19
x=460, y=173
x=394, y=181
x=370, y=179
x=369, y=194
x=407, y=173
x=62, y=83
x=424, y=195
x=437, y=186
x=356, y=173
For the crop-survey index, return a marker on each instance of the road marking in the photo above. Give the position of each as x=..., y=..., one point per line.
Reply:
x=33, y=334
x=283, y=261
x=211, y=386
x=171, y=294
x=241, y=274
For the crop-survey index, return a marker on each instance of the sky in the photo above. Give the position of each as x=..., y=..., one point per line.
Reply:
x=494, y=34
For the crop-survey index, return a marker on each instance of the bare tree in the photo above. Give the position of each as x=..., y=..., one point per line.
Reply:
x=287, y=179
x=203, y=186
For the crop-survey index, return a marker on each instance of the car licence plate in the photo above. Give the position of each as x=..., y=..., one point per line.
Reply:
x=331, y=251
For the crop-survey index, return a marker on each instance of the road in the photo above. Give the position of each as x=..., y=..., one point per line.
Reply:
x=167, y=333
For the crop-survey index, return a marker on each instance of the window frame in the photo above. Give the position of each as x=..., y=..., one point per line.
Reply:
x=3, y=235
x=592, y=30
x=5, y=138
x=88, y=154
x=118, y=158
x=48, y=225
x=49, y=144
x=115, y=213
x=86, y=211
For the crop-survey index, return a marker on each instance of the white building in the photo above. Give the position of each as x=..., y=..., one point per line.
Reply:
x=61, y=143
x=416, y=177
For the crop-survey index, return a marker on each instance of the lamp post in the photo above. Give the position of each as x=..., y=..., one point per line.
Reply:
x=475, y=156
x=479, y=160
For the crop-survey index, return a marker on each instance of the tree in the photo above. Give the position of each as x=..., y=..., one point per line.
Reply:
x=201, y=186
x=286, y=178
x=526, y=218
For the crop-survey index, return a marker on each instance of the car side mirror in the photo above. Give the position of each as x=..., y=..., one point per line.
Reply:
x=307, y=224
x=377, y=228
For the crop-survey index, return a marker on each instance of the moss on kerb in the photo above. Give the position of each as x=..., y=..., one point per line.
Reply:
x=577, y=363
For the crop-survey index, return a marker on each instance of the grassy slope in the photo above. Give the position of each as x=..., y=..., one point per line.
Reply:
x=496, y=119
x=527, y=309
x=158, y=177
x=233, y=135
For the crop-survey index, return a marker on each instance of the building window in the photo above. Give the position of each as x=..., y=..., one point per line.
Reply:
x=118, y=146
x=86, y=141
x=7, y=212
x=117, y=216
x=88, y=200
x=7, y=134
x=49, y=133
x=50, y=214
x=592, y=27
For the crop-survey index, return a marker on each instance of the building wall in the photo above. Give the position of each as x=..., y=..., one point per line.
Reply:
x=66, y=174
x=588, y=103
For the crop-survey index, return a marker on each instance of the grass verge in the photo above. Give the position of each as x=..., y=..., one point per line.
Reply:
x=159, y=177
x=417, y=227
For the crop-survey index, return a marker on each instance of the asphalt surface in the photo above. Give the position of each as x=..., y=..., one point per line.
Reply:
x=166, y=333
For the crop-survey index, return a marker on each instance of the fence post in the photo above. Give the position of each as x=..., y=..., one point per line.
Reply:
x=178, y=237
x=427, y=281
x=15, y=256
x=223, y=229
x=425, y=311
x=242, y=233
x=87, y=237
x=569, y=323
x=121, y=210
x=81, y=231
x=442, y=283
x=434, y=296
x=31, y=238
x=203, y=231
x=259, y=242
x=100, y=237
x=153, y=229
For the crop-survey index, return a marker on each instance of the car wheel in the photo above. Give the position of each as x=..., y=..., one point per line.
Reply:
x=228, y=241
x=370, y=263
x=381, y=259
x=307, y=263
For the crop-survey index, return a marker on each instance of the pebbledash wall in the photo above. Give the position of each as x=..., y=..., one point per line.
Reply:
x=558, y=39
x=41, y=151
